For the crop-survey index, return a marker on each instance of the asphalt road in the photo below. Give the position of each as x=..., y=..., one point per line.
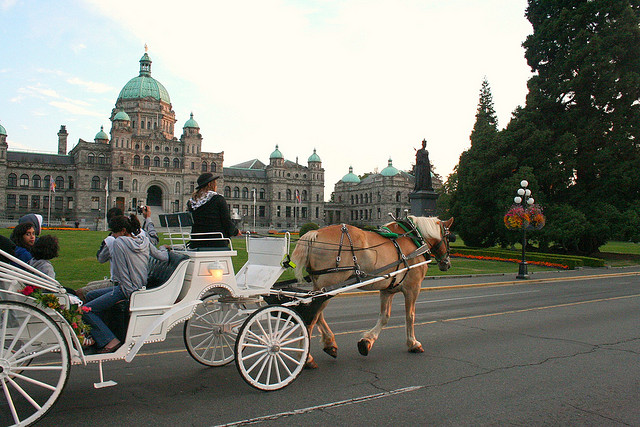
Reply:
x=553, y=352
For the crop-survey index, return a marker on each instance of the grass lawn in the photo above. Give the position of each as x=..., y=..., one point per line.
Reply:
x=77, y=264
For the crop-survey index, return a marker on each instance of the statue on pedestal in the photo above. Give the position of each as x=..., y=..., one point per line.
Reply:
x=423, y=169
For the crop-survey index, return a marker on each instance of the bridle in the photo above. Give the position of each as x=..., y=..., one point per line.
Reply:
x=445, y=233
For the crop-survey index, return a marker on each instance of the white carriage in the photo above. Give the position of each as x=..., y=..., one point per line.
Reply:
x=227, y=316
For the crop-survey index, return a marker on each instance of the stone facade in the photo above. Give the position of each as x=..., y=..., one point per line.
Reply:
x=141, y=162
x=370, y=200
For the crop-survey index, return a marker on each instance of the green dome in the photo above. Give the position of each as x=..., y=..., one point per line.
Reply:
x=276, y=154
x=144, y=85
x=191, y=123
x=101, y=135
x=351, y=177
x=314, y=157
x=122, y=115
x=389, y=170
x=3, y=131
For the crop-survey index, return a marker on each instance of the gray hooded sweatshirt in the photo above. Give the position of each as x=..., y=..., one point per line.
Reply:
x=130, y=260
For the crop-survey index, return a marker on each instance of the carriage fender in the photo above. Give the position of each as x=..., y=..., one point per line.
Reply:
x=144, y=337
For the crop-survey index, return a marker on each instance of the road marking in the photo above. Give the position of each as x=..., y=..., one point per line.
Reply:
x=474, y=297
x=325, y=406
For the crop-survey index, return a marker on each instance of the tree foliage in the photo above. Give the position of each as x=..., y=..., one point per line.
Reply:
x=577, y=137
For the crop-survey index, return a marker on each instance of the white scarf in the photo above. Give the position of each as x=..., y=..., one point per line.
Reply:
x=195, y=204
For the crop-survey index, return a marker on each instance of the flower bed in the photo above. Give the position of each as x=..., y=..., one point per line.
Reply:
x=570, y=261
x=495, y=258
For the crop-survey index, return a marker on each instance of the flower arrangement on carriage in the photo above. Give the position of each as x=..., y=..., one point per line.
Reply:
x=531, y=218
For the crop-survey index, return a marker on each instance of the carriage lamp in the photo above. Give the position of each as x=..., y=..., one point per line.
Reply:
x=215, y=269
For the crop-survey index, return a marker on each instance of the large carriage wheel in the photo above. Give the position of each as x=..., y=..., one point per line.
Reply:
x=272, y=348
x=34, y=363
x=210, y=334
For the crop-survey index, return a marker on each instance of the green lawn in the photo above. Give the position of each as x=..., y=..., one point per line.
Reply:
x=77, y=264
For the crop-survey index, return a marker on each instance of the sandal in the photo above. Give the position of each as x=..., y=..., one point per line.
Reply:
x=112, y=349
x=88, y=341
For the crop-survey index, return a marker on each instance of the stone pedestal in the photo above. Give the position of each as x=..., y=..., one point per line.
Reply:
x=423, y=203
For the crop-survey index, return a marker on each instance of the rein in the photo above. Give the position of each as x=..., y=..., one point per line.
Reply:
x=410, y=230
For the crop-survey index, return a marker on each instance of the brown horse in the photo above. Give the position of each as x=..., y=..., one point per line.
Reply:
x=332, y=255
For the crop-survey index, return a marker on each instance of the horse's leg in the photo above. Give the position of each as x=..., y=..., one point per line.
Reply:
x=410, y=297
x=370, y=337
x=328, y=338
x=310, y=363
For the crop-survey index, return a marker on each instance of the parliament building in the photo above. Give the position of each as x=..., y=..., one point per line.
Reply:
x=141, y=162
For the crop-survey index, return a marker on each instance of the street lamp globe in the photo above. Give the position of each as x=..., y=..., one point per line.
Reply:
x=524, y=183
x=517, y=199
x=530, y=201
x=527, y=192
x=521, y=191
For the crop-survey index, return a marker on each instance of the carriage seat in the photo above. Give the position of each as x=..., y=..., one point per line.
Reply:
x=164, y=282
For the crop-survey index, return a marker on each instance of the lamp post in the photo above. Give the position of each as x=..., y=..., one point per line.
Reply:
x=524, y=198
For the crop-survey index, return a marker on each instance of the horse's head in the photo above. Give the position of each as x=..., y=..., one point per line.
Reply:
x=437, y=235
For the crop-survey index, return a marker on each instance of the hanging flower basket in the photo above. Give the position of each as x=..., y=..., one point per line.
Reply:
x=517, y=218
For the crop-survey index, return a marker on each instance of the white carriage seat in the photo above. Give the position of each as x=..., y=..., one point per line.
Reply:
x=263, y=266
x=165, y=282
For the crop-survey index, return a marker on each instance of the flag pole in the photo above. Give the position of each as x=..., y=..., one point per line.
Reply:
x=254, y=210
x=49, y=213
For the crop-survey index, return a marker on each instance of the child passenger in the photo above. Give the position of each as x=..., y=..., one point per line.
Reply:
x=24, y=236
x=44, y=250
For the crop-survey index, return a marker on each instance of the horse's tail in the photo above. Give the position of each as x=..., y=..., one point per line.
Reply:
x=300, y=255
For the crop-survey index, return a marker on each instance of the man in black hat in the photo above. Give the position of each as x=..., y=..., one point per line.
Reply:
x=210, y=214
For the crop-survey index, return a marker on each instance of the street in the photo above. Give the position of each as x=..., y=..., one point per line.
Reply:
x=556, y=352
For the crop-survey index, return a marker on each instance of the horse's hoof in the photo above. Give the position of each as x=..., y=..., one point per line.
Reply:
x=311, y=365
x=364, y=347
x=417, y=349
x=331, y=351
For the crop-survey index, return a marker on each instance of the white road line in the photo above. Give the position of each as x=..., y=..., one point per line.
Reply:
x=324, y=406
x=474, y=297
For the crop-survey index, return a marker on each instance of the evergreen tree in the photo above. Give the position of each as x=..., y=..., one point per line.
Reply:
x=580, y=127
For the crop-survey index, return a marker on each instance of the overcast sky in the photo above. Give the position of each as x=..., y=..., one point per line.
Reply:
x=360, y=81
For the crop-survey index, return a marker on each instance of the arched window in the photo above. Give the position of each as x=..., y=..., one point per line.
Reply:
x=165, y=162
x=176, y=163
x=213, y=167
x=245, y=193
x=288, y=194
x=262, y=194
x=398, y=196
x=91, y=158
x=59, y=183
x=156, y=161
x=101, y=159
x=95, y=183
x=304, y=195
x=147, y=161
x=177, y=188
x=134, y=185
x=204, y=166
x=24, y=180
x=46, y=182
x=136, y=160
x=12, y=180
x=236, y=192
x=227, y=191
x=37, y=181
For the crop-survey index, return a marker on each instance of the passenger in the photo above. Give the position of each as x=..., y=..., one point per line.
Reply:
x=103, y=255
x=45, y=249
x=210, y=213
x=148, y=227
x=129, y=260
x=24, y=236
x=35, y=219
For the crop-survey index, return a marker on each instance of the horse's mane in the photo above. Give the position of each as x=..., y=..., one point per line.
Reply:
x=429, y=226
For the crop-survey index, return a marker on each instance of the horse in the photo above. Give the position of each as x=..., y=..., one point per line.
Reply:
x=369, y=254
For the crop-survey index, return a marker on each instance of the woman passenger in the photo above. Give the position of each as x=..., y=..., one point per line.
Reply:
x=24, y=236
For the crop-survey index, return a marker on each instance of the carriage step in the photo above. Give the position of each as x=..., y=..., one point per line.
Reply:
x=103, y=383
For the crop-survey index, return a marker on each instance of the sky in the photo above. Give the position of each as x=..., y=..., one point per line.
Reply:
x=361, y=81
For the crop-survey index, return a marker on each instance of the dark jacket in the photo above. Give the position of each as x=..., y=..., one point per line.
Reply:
x=211, y=216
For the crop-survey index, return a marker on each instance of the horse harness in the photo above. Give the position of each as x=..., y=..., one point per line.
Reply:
x=359, y=275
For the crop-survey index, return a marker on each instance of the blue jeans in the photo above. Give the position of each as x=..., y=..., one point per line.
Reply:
x=99, y=301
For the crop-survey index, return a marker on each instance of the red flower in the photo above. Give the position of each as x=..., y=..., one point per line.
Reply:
x=85, y=308
x=28, y=290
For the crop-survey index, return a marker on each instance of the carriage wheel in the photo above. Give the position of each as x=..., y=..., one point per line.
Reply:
x=272, y=348
x=34, y=362
x=210, y=334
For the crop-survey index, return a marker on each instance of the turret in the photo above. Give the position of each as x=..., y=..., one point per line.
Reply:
x=62, y=140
